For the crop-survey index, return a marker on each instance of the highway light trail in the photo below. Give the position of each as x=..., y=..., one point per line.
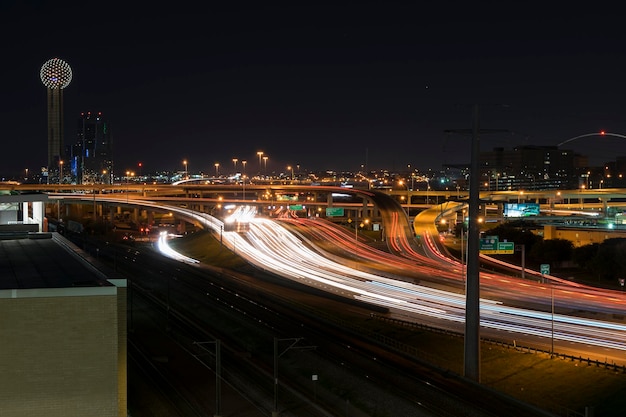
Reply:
x=166, y=250
x=271, y=246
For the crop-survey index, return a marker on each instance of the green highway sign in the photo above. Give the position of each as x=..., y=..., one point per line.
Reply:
x=334, y=212
x=506, y=248
x=545, y=269
x=491, y=245
x=295, y=207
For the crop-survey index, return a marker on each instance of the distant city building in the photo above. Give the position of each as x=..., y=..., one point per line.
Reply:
x=530, y=168
x=92, y=160
x=56, y=75
x=611, y=175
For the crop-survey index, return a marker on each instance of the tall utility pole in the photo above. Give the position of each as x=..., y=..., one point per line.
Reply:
x=472, y=283
x=471, y=367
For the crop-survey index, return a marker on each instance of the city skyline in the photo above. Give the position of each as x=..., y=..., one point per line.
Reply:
x=320, y=87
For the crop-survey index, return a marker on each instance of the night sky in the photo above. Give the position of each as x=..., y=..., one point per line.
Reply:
x=322, y=85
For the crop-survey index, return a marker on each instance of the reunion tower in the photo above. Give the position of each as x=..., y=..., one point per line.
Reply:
x=55, y=74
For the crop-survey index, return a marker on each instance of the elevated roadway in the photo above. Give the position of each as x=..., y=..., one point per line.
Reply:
x=274, y=249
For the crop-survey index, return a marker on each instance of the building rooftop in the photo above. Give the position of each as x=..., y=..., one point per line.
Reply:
x=45, y=260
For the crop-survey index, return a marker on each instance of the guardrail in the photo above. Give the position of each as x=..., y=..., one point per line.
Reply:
x=527, y=349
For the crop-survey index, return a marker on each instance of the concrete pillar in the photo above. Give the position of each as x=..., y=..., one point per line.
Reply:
x=25, y=216
x=39, y=213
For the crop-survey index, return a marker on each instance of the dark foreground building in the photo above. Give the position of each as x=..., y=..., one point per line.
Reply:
x=63, y=327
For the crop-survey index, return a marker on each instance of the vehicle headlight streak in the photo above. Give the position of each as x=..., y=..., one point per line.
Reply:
x=270, y=246
x=166, y=250
x=286, y=255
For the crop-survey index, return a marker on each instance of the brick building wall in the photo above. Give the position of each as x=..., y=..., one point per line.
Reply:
x=60, y=352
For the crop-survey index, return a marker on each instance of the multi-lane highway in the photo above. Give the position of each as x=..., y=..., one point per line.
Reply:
x=424, y=284
x=274, y=248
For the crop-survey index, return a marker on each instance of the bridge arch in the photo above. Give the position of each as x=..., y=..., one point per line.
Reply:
x=602, y=133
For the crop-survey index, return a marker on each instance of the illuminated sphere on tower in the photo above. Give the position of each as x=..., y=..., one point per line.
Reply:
x=56, y=74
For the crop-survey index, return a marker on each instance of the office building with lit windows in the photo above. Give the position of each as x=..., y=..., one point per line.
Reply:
x=92, y=161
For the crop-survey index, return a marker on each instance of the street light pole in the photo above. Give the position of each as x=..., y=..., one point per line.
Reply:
x=294, y=341
x=127, y=185
x=243, y=177
x=356, y=245
x=218, y=375
x=260, y=155
x=408, y=198
x=552, y=330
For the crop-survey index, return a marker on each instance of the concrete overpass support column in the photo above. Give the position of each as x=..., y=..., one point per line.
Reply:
x=150, y=215
x=365, y=210
x=136, y=215
x=375, y=212
x=329, y=199
x=182, y=227
x=112, y=211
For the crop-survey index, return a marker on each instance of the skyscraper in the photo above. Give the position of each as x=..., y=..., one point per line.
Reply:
x=56, y=75
x=93, y=150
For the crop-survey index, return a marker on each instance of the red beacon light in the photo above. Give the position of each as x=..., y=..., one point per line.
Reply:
x=602, y=133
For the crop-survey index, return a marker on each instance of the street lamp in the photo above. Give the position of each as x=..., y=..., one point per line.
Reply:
x=290, y=168
x=260, y=154
x=186, y=171
x=408, y=196
x=243, y=178
x=217, y=168
x=235, y=164
x=60, y=171
x=265, y=158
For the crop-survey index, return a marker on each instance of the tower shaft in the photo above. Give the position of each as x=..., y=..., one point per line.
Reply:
x=55, y=127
